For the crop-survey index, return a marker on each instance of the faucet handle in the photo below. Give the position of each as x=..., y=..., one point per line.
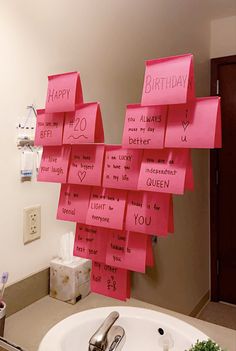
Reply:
x=99, y=339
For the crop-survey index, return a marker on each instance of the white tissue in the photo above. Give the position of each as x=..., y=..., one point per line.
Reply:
x=39, y=153
x=27, y=163
x=67, y=247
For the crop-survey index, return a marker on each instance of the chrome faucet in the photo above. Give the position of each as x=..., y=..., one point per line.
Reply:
x=108, y=337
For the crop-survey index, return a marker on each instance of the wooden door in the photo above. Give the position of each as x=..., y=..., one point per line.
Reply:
x=223, y=185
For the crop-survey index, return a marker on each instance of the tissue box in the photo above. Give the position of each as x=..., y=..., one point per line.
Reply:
x=70, y=282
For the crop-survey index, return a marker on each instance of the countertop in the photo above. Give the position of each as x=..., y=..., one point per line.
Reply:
x=27, y=327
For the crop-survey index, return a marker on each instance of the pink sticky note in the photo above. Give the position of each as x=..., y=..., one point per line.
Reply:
x=49, y=128
x=195, y=125
x=54, y=164
x=84, y=125
x=147, y=212
x=64, y=92
x=189, y=180
x=106, y=208
x=116, y=248
x=73, y=203
x=144, y=127
x=127, y=250
x=218, y=135
x=149, y=256
x=136, y=248
x=164, y=170
x=168, y=80
x=91, y=242
x=109, y=281
x=86, y=164
x=122, y=167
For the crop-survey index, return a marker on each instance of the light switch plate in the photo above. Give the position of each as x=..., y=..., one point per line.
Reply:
x=31, y=223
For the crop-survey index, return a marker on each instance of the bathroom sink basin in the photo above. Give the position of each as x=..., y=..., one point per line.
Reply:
x=143, y=329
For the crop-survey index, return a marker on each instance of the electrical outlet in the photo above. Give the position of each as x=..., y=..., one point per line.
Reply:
x=31, y=223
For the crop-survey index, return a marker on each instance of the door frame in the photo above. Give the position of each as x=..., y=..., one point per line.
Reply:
x=214, y=190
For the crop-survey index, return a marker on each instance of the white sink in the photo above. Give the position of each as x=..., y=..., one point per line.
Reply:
x=140, y=325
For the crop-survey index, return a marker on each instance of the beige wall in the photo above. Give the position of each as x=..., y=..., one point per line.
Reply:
x=107, y=41
x=223, y=37
x=181, y=275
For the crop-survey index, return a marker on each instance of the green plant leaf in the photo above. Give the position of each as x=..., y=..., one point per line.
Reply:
x=206, y=345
